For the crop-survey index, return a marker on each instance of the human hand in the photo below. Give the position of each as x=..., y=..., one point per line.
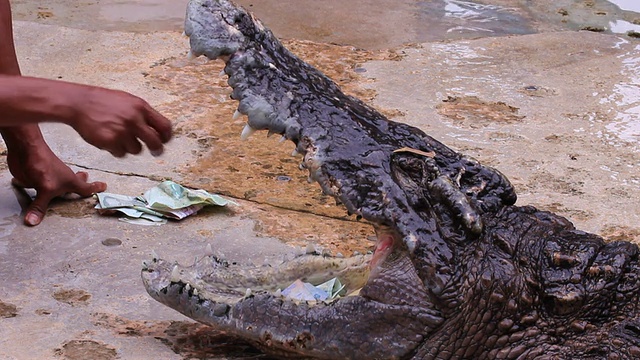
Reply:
x=116, y=121
x=39, y=168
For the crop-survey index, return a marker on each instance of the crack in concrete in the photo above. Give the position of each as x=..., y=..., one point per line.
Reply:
x=150, y=177
x=164, y=178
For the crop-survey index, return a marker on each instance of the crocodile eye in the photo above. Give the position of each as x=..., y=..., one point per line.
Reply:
x=633, y=327
x=564, y=300
x=565, y=261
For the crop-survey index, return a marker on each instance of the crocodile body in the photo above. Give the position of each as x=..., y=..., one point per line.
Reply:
x=459, y=271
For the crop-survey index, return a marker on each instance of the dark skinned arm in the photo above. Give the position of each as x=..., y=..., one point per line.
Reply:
x=112, y=120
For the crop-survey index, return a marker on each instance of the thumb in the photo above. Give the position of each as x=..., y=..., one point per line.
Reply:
x=37, y=209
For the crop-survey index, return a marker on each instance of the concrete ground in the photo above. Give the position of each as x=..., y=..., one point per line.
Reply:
x=556, y=110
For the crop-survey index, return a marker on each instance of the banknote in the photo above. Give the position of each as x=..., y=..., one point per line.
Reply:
x=332, y=287
x=166, y=200
x=171, y=196
x=300, y=290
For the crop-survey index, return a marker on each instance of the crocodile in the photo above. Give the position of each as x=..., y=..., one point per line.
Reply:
x=458, y=272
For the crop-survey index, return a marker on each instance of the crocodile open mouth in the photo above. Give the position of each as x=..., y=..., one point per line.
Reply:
x=246, y=301
x=220, y=283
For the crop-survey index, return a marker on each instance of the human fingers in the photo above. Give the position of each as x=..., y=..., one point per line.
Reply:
x=83, y=175
x=159, y=123
x=132, y=145
x=151, y=138
x=82, y=187
x=117, y=151
x=38, y=208
x=119, y=144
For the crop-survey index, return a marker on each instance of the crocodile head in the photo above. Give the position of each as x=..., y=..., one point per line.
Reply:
x=458, y=271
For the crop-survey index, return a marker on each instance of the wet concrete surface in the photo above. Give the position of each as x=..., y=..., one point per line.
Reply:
x=554, y=109
x=367, y=24
x=558, y=125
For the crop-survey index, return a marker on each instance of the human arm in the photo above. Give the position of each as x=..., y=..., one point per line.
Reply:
x=111, y=120
x=30, y=160
x=108, y=119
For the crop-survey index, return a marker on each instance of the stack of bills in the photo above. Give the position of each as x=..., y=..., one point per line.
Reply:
x=300, y=290
x=167, y=200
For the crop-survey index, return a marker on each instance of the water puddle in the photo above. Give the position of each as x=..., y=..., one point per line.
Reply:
x=458, y=19
x=367, y=24
x=626, y=96
x=481, y=18
x=10, y=209
x=627, y=5
x=623, y=27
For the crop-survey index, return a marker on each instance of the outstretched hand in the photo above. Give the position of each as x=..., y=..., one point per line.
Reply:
x=112, y=120
x=43, y=171
x=116, y=121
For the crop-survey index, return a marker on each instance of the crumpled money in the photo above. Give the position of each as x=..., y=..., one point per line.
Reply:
x=300, y=290
x=168, y=200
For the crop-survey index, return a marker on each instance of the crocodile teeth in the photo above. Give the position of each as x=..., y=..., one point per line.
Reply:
x=270, y=133
x=195, y=292
x=246, y=132
x=295, y=152
x=175, y=274
x=236, y=115
x=247, y=293
x=283, y=139
x=191, y=55
x=411, y=242
x=208, y=251
x=222, y=73
x=187, y=287
x=278, y=293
